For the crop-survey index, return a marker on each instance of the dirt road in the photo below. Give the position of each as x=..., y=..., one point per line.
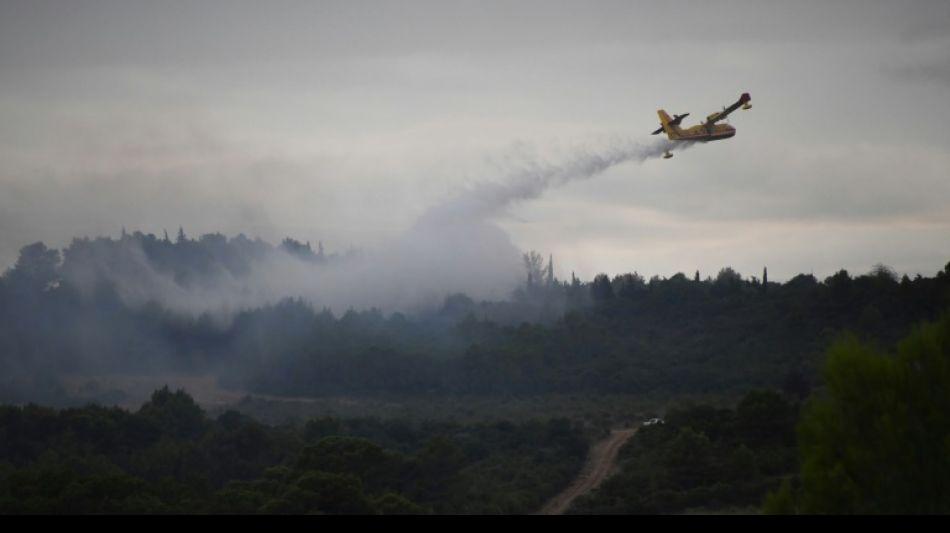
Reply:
x=600, y=464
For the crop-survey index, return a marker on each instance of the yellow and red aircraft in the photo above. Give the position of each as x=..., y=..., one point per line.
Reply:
x=707, y=131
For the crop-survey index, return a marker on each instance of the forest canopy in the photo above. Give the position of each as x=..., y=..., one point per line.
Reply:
x=65, y=314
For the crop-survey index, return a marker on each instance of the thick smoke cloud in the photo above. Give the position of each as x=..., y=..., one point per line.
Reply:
x=455, y=246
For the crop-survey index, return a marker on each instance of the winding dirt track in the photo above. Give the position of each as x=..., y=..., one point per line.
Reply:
x=600, y=464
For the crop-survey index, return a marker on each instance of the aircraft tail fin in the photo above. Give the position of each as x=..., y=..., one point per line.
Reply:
x=673, y=132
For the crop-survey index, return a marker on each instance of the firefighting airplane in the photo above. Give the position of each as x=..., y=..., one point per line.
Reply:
x=707, y=131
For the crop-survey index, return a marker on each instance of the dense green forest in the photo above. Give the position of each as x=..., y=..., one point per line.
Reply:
x=169, y=457
x=703, y=459
x=69, y=313
x=875, y=439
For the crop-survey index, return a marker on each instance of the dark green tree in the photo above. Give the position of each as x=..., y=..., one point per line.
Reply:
x=175, y=413
x=878, y=441
x=36, y=266
x=601, y=289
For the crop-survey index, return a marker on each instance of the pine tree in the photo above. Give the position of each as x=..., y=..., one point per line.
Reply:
x=181, y=235
x=534, y=264
x=765, y=279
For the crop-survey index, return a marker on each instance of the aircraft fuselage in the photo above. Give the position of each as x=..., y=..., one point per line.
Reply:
x=701, y=134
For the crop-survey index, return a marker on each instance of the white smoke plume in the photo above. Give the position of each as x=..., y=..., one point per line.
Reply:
x=453, y=247
x=489, y=198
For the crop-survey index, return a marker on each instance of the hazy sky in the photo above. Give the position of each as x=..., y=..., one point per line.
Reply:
x=344, y=121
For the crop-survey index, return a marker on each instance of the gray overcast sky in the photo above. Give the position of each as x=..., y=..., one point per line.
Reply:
x=344, y=121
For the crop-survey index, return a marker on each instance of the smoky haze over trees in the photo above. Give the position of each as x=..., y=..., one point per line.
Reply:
x=105, y=306
x=453, y=246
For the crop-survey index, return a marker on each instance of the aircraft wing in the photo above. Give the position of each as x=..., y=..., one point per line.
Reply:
x=716, y=117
